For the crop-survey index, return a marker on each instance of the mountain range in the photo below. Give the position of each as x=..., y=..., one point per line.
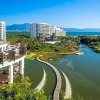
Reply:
x=26, y=28
x=18, y=27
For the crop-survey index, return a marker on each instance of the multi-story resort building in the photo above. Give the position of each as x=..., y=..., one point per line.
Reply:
x=3, y=43
x=45, y=29
x=3, y=31
x=40, y=28
x=59, y=31
x=11, y=58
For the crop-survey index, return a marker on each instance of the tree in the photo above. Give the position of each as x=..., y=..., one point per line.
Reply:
x=21, y=91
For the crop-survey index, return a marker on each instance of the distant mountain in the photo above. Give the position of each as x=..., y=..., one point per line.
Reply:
x=82, y=30
x=26, y=28
x=18, y=27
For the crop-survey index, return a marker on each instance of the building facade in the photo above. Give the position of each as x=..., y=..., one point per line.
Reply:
x=40, y=28
x=59, y=31
x=45, y=29
x=2, y=31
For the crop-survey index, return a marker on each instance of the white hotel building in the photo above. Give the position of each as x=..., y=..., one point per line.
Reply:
x=47, y=29
x=40, y=28
x=11, y=56
x=59, y=31
x=2, y=31
x=3, y=43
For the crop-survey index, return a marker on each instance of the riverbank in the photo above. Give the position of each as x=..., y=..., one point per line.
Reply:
x=42, y=83
x=83, y=72
x=92, y=41
x=69, y=53
x=47, y=55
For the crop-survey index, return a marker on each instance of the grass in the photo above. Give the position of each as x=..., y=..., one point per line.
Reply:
x=45, y=55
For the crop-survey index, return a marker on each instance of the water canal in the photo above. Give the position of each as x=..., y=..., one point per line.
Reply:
x=83, y=73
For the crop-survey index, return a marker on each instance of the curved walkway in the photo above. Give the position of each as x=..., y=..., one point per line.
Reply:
x=68, y=90
x=58, y=84
x=42, y=83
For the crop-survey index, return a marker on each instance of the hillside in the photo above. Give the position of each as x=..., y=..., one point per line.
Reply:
x=26, y=28
x=18, y=27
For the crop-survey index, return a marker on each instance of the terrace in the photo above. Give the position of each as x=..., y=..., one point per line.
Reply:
x=12, y=59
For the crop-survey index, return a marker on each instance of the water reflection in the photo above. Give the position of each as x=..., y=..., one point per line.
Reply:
x=65, y=62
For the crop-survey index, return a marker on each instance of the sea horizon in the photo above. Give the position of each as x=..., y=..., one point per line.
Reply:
x=83, y=33
x=67, y=33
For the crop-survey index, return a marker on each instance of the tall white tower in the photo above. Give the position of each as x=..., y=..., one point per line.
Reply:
x=2, y=31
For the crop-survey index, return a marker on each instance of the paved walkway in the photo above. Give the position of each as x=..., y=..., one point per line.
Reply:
x=58, y=83
x=42, y=83
x=68, y=90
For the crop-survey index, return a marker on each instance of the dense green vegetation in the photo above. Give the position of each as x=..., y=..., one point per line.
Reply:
x=21, y=91
x=33, y=45
x=92, y=41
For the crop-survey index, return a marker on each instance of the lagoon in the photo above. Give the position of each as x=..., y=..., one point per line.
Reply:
x=82, y=71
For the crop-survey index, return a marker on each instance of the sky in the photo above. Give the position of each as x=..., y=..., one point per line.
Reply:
x=62, y=13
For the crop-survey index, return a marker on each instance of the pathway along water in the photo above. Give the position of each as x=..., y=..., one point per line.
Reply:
x=68, y=90
x=42, y=83
x=58, y=84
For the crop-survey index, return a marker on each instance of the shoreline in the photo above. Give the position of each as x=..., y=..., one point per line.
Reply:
x=69, y=53
x=34, y=55
x=42, y=82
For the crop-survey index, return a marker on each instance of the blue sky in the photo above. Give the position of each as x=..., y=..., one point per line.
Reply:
x=63, y=13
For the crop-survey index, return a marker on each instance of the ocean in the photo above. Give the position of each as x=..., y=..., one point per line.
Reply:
x=67, y=33
x=83, y=33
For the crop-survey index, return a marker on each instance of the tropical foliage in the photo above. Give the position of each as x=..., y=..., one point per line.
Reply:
x=34, y=45
x=21, y=91
x=36, y=48
x=92, y=41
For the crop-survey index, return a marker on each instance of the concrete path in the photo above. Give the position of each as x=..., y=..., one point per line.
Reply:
x=42, y=83
x=58, y=83
x=68, y=90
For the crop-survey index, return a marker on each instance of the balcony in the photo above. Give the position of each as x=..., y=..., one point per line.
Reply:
x=12, y=53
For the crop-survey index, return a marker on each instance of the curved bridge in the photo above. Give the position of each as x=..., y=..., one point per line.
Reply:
x=58, y=83
x=43, y=81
